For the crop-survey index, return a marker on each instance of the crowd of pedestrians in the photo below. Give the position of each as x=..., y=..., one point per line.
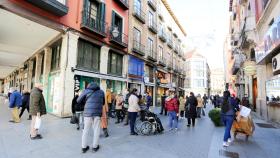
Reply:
x=93, y=107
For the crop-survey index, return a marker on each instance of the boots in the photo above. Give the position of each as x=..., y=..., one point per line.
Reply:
x=29, y=117
x=105, y=131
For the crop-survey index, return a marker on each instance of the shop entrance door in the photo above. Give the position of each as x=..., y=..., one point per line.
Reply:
x=255, y=92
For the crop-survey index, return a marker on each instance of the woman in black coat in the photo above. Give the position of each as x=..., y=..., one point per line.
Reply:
x=25, y=104
x=190, y=105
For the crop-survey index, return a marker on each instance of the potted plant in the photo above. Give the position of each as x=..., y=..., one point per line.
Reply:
x=215, y=116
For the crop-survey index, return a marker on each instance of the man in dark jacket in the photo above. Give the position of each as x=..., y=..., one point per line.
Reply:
x=191, y=113
x=37, y=108
x=163, y=97
x=149, y=100
x=25, y=104
x=15, y=104
x=94, y=100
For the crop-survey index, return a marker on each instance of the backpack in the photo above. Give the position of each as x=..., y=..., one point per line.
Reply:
x=225, y=106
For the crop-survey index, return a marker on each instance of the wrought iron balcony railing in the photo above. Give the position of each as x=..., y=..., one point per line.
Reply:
x=123, y=3
x=138, y=48
x=139, y=14
x=96, y=25
x=118, y=37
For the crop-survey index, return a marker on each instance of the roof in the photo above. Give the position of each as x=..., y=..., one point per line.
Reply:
x=193, y=53
x=173, y=16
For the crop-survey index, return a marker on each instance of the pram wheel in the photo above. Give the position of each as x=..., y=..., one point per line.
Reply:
x=146, y=128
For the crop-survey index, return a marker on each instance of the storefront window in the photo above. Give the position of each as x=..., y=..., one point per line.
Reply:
x=115, y=86
x=273, y=90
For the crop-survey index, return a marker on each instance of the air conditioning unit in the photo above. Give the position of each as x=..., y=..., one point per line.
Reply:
x=276, y=63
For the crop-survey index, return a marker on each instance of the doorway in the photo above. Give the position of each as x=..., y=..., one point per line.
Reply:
x=255, y=93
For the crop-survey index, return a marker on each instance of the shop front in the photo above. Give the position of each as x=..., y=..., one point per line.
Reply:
x=136, y=74
x=163, y=82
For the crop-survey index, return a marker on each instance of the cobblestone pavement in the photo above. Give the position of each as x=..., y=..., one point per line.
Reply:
x=62, y=140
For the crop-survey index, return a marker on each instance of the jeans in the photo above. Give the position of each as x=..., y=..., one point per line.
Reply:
x=22, y=110
x=94, y=124
x=132, y=118
x=80, y=122
x=198, y=109
x=227, y=120
x=172, y=116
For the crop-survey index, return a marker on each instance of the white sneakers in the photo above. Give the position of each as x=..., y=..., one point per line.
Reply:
x=225, y=144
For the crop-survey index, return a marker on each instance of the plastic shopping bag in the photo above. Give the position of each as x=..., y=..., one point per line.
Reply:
x=37, y=123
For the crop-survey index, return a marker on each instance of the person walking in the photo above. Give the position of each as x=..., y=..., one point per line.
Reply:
x=172, y=107
x=25, y=104
x=37, y=109
x=126, y=97
x=191, y=105
x=104, y=120
x=182, y=106
x=133, y=109
x=163, y=109
x=94, y=99
x=199, y=105
x=109, y=101
x=228, y=109
x=119, y=108
x=77, y=111
x=149, y=100
x=205, y=98
x=15, y=104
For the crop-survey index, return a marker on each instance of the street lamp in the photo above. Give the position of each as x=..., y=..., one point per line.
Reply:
x=115, y=32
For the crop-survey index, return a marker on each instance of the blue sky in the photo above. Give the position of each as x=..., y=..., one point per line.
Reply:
x=206, y=24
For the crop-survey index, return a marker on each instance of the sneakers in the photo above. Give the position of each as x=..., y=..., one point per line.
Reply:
x=229, y=141
x=38, y=136
x=188, y=125
x=84, y=150
x=95, y=149
x=225, y=144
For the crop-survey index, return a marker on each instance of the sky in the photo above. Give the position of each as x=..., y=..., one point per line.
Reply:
x=206, y=23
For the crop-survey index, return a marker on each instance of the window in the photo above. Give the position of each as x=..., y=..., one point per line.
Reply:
x=117, y=21
x=88, y=56
x=56, y=48
x=115, y=62
x=160, y=53
x=136, y=37
x=150, y=46
x=151, y=18
x=137, y=7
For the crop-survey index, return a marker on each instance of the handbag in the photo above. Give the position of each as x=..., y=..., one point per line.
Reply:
x=37, y=124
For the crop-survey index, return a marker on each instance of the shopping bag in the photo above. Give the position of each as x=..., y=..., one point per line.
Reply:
x=245, y=112
x=37, y=123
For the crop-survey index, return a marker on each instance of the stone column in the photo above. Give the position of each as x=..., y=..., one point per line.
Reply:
x=69, y=53
x=29, y=74
x=250, y=89
x=47, y=68
x=104, y=51
x=261, y=99
x=38, y=67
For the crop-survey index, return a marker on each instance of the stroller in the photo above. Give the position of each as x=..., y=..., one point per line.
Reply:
x=148, y=123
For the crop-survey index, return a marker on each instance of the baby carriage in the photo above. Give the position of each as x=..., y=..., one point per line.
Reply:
x=148, y=123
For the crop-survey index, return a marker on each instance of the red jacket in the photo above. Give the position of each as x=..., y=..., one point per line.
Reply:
x=171, y=104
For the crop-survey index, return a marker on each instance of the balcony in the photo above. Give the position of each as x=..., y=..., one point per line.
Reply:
x=162, y=62
x=238, y=61
x=138, y=48
x=152, y=4
x=176, y=50
x=170, y=43
x=52, y=6
x=139, y=14
x=96, y=25
x=153, y=26
x=162, y=36
x=169, y=66
x=123, y=3
x=118, y=38
x=152, y=55
x=180, y=53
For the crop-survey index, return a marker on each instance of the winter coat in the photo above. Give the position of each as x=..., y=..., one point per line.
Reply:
x=37, y=102
x=25, y=99
x=133, y=103
x=182, y=104
x=15, y=99
x=119, y=102
x=163, y=100
x=94, y=100
x=108, y=96
x=171, y=104
x=104, y=117
x=199, y=102
x=191, y=105
x=233, y=107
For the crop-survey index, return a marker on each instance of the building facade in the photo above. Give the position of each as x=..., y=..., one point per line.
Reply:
x=197, y=74
x=217, y=81
x=73, y=43
x=254, y=48
x=155, y=48
x=89, y=43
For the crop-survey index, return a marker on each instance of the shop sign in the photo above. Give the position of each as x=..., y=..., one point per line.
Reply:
x=270, y=41
x=76, y=83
